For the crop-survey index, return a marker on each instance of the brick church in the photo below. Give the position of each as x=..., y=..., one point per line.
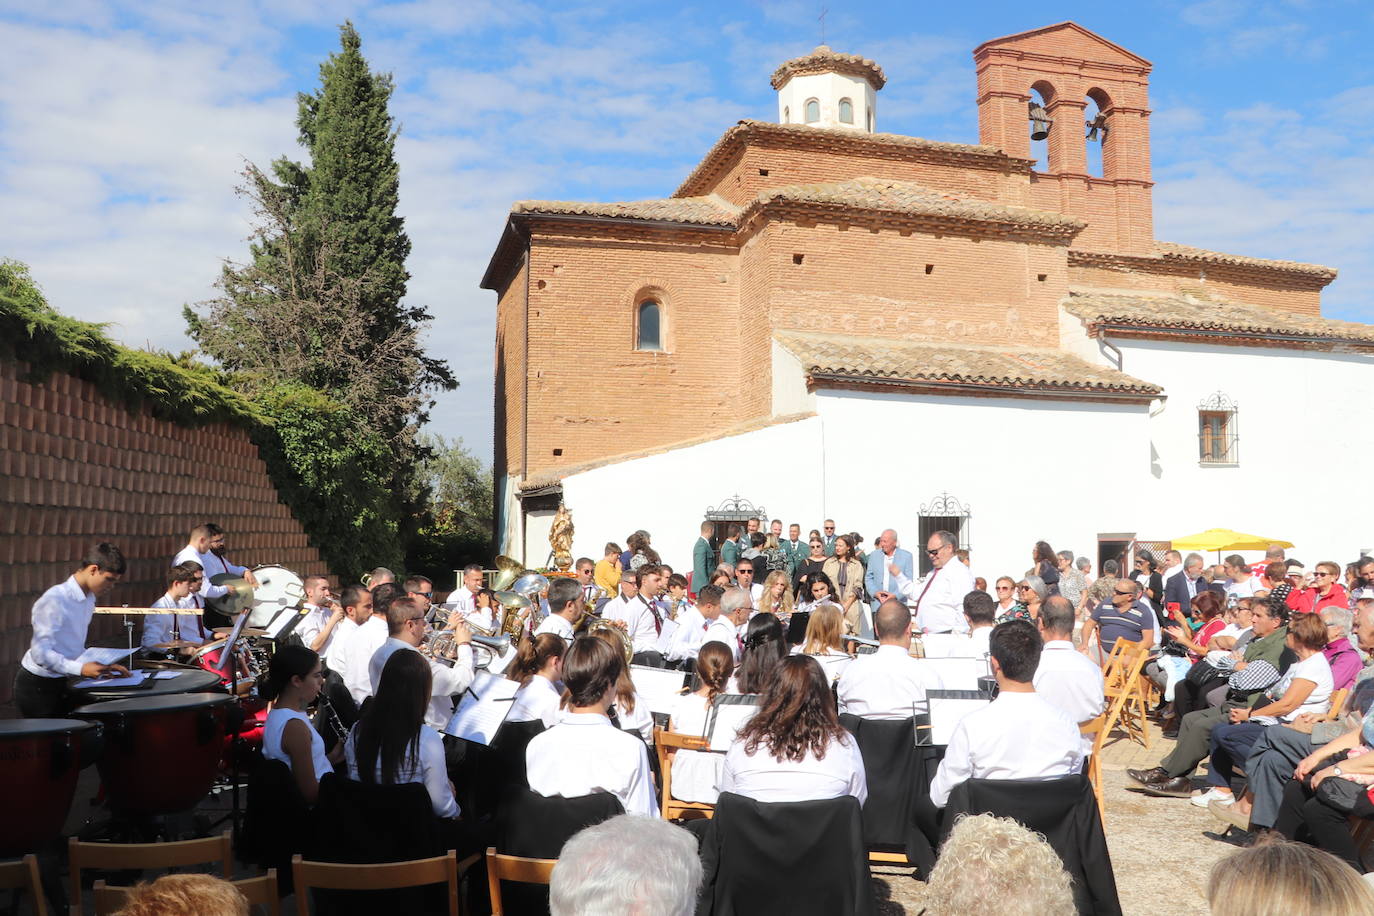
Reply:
x=828, y=321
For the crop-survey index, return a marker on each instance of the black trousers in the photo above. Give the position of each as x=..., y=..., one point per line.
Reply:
x=649, y=657
x=1310, y=817
x=41, y=697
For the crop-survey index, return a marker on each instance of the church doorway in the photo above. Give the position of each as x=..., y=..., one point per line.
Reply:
x=733, y=511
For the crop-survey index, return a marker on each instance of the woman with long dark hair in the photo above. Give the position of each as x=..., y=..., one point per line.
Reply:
x=1046, y=566
x=538, y=668
x=847, y=574
x=695, y=773
x=294, y=679
x=764, y=648
x=629, y=713
x=794, y=748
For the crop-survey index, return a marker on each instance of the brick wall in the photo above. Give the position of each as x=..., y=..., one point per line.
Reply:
x=76, y=469
x=1302, y=296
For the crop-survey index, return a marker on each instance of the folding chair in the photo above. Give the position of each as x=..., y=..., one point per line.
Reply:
x=514, y=868
x=667, y=744
x=1337, y=703
x=1098, y=729
x=24, y=873
x=260, y=891
x=144, y=856
x=380, y=876
x=1124, y=680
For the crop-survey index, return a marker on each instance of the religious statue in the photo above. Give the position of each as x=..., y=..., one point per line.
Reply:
x=560, y=538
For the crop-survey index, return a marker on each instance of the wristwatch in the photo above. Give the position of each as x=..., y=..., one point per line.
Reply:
x=1336, y=770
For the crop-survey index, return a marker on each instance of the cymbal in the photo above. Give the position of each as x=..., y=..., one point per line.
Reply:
x=247, y=631
x=177, y=644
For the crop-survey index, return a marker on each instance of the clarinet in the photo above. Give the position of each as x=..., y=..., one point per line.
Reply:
x=332, y=717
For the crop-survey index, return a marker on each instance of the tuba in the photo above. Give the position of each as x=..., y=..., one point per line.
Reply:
x=596, y=626
x=506, y=572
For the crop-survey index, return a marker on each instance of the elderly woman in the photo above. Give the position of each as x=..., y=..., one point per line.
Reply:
x=1031, y=592
x=1341, y=655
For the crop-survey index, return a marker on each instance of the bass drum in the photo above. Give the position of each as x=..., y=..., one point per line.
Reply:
x=40, y=760
x=278, y=588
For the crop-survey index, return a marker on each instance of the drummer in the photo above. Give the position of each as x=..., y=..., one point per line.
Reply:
x=61, y=617
x=162, y=630
x=206, y=547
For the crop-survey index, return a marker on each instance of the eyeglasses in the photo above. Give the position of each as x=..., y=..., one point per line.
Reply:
x=744, y=572
x=1123, y=594
x=935, y=552
x=1321, y=575
x=1023, y=587
x=829, y=527
x=410, y=619
x=425, y=595
x=1004, y=588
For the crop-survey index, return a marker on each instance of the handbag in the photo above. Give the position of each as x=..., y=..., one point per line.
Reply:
x=1201, y=673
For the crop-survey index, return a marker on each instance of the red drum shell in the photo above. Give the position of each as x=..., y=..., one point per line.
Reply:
x=161, y=752
x=40, y=760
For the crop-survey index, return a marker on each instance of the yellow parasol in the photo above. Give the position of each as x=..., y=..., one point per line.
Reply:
x=1220, y=539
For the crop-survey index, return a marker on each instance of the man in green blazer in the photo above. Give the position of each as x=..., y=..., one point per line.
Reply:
x=703, y=558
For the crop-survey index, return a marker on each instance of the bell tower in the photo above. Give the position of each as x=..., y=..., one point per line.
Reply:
x=1075, y=73
x=825, y=89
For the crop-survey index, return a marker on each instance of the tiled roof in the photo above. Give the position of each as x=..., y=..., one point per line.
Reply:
x=963, y=368
x=1212, y=317
x=823, y=60
x=1171, y=251
x=891, y=196
x=711, y=210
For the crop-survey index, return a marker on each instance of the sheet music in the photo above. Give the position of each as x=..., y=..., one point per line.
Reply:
x=226, y=655
x=665, y=637
x=103, y=656
x=947, y=709
x=483, y=707
x=657, y=687
x=285, y=617
x=958, y=673
x=727, y=716
x=133, y=680
x=939, y=645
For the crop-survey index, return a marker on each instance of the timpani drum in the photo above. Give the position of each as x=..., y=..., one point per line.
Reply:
x=185, y=681
x=40, y=760
x=161, y=753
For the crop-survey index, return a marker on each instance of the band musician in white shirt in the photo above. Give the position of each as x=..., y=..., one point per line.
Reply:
x=980, y=611
x=1018, y=735
x=464, y=597
x=937, y=601
x=566, y=608
x=1066, y=678
x=406, y=625
x=61, y=617
x=206, y=547
x=693, y=623
x=323, y=615
x=639, y=612
x=889, y=683
x=160, y=629
x=735, y=608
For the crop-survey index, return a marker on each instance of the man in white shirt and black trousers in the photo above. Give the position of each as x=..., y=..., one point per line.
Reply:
x=735, y=607
x=937, y=601
x=1067, y=678
x=61, y=617
x=1018, y=735
x=182, y=582
x=889, y=683
x=640, y=613
x=206, y=547
x=566, y=607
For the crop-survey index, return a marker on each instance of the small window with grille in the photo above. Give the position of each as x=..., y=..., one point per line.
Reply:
x=1218, y=431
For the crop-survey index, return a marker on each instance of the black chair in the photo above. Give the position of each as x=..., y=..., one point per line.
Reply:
x=497, y=772
x=536, y=827
x=799, y=858
x=357, y=823
x=277, y=822
x=899, y=816
x=1065, y=811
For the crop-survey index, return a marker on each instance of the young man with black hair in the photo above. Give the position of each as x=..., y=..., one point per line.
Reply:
x=61, y=617
x=182, y=582
x=566, y=608
x=1018, y=735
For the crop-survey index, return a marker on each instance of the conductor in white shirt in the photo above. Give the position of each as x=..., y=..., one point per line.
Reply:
x=937, y=601
x=1016, y=736
x=888, y=684
x=406, y=625
x=566, y=608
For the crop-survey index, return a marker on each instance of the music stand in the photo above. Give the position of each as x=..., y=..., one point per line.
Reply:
x=226, y=658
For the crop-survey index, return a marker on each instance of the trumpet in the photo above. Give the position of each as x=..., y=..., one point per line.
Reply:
x=440, y=646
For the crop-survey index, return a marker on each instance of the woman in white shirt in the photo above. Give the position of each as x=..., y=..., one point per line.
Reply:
x=823, y=641
x=1305, y=688
x=696, y=773
x=584, y=752
x=294, y=679
x=794, y=748
x=537, y=667
x=627, y=712
x=1006, y=595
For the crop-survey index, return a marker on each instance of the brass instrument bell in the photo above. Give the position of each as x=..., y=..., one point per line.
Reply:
x=531, y=585
x=506, y=572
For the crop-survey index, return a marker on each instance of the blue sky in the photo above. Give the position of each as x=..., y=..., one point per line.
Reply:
x=123, y=127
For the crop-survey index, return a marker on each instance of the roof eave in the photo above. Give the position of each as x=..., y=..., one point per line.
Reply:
x=818, y=379
x=510, y=235
x=1134, y=329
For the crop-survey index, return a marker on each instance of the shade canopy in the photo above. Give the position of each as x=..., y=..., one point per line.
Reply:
x=1226, y=539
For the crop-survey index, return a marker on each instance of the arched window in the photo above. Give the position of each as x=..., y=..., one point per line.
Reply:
x=1098, y=133
x=1040, y=124
x=813, y=111
x=870, y=120
x=846, y=111
x=649, y=326
x=786, y=115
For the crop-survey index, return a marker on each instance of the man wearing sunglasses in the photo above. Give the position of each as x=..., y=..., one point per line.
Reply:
x=1125, y=616
x=937, y=601
x=1326, y=590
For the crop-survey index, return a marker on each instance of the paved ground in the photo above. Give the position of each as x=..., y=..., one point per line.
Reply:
x=1161, y=848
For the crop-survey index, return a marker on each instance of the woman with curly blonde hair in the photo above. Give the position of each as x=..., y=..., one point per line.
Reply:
x=992, y=866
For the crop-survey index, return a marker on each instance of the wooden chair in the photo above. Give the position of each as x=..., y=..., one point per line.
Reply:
x=1124, y=680
x=24, y=873
x=260, y=891
x=1337, y=703
x=143, y=856
x=667, y=744
x=514, y=868
x=1097, y=728
x=380, y=876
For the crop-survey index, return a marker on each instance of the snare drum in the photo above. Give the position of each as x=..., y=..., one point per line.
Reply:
x=161, y=753
x=40, y=760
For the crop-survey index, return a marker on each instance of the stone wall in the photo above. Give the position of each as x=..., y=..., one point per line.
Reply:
x=76, y=469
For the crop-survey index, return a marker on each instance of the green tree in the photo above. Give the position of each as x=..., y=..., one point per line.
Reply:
x=456, y=527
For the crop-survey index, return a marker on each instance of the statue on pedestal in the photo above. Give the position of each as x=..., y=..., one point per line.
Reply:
x=560, y=538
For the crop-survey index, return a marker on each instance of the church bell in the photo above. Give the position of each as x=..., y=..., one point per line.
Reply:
x=1040, y=121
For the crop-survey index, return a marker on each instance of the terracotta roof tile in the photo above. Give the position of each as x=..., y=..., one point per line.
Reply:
x=887, y=195
x=1173, y=251
x=823, y=60
x=711, y=210
x=1185, y=313
x=962, y=367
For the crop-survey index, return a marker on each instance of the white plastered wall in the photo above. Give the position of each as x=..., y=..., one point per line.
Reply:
x=827, y=89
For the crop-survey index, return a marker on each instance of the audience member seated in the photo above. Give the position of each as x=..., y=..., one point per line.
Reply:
x=1065, y=678
x=1286, y=879
x=584, y=752
x=1305, y=689
x=538, y=668
x=992, y=866
x=180, y=895
x=627, y=713
x=794, y=748
x=1126, y=616
x=294, y=678
x=605, y=870
x=1019, y=735
x=764, y=648
x=1340, y=652
x=823, y=643
x=1330, y=786
x=696, y=773
x=889, y=684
